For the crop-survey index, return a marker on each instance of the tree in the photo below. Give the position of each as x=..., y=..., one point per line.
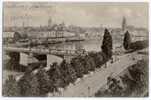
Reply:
x=34, y=84
x=128, y=83
x=24, y=84
x=90, y=63
x=127, y=40
x=107, y=44
x=13, y=63
x=44, y=82
x=78, y=66
x=55, y=76
x=65, y=74
x=68, y=73
x=11, y=88
x=114, y=87
x=29, y=85
x=72, y=73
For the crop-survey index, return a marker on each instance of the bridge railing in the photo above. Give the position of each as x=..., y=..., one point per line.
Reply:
x=43, y=50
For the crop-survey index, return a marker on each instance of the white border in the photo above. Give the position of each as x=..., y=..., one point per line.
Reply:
x=75, y=98
x=82, y=0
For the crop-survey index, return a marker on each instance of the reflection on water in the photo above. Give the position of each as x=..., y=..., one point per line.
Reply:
x=88, y=45
x=94, y=45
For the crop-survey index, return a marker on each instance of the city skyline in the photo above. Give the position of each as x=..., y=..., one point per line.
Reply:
x=80, y=14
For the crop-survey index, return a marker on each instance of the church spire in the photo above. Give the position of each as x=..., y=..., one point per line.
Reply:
x=124, y=24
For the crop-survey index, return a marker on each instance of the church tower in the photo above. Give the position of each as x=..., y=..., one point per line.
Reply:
x=50, y=22
x=124, y=24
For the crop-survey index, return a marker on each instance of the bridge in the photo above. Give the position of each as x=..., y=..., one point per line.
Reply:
x=34, y=52
x=42, y=51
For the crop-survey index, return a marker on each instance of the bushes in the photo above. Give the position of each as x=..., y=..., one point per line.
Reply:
x=68, y=73
x=90, y=64
x=138, y=45
x=44, y=82
x=138, y=82
x=55, y=76
x=78, y=66
x=34, y=86
x=11, y=87
x=29, y=85
x=133, y=46
x=114, y=89
x=127, y=40
x=98, y=58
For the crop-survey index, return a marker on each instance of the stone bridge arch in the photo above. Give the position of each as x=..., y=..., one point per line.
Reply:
x=23, y=58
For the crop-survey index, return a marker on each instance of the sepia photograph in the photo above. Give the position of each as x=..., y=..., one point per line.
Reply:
x=75, y=49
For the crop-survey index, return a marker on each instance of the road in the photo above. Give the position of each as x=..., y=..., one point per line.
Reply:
x=89, y=85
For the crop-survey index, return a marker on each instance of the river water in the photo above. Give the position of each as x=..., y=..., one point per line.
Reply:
x=87, y=45
x=94, y=45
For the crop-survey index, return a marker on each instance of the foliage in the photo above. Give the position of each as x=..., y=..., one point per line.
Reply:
x=13, y=62
x=29, y=85
x=99, y=58
x=24, y=84
x=55, y=76
x=90, y=64
x=77, y=64
x=129, y=84
x=43, y=80
x=107, y=44
x=114, y=87
x=68, y=73
x=135, y=82
x=127, y=40
x=34, y=84
x=11, y=88
x=138, y=45
x=71, y=73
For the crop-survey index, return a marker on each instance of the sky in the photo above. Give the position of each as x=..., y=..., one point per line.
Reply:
x=80, y=14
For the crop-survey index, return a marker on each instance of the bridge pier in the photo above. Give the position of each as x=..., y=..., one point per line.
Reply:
x=27, y=58
x=52, y=58
x=33, y=55
x=23, y=60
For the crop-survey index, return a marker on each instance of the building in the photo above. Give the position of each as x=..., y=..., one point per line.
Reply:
x=50, y=34
x=11, y=36
x=49, y=23
x=124, y=24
